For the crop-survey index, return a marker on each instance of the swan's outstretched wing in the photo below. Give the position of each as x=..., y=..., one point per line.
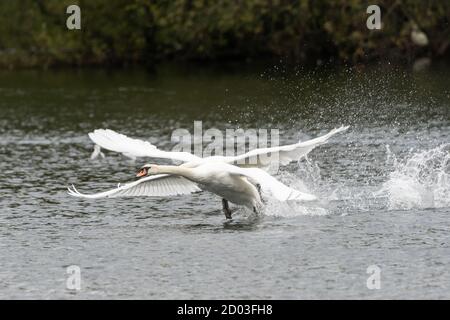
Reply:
x=133, y=148
x=111, y=140
x=160, y=185
x=284, y=154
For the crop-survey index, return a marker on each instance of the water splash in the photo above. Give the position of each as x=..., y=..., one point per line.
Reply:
x=418, y=180
x=421, y=180
x=294, y=209
x=305, y=178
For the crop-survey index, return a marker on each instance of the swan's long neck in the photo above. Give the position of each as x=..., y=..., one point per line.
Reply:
x=175, y=170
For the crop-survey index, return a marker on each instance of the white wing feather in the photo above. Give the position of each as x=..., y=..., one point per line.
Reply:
x=111, y=140
x=283, y=154
x=132, y=148
x=97, y=152
x=160, y=185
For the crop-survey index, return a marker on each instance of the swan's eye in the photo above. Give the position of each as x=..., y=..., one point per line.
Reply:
x=142, y=172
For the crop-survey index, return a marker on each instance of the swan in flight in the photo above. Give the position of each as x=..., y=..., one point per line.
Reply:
x=238, y=179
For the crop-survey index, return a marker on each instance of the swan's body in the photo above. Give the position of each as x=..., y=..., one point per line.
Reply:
x=234, y=188
x=217, y=174
x=222, y=179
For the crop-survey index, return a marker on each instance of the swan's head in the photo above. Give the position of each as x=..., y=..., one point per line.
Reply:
x=147, y=170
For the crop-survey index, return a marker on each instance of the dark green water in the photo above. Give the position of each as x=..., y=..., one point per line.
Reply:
x=380, y=205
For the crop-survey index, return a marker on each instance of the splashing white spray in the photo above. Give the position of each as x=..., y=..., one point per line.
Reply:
x=305, y=178
x=422, y=180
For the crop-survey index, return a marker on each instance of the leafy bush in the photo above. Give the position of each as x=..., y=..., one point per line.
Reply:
x=34, y=33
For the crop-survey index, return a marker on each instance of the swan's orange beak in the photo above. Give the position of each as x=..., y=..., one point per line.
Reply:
x=142, y=172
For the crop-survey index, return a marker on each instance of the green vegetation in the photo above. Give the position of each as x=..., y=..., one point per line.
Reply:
x=122, y=32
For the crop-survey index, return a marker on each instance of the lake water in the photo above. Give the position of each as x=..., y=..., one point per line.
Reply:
x=384, y=185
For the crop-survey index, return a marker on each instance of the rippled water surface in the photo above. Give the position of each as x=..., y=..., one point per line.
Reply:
x=384, y=185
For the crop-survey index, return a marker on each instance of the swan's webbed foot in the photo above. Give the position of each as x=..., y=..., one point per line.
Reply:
x=226, y=208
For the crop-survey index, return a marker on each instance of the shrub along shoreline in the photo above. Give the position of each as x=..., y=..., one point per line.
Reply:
x=33, y=33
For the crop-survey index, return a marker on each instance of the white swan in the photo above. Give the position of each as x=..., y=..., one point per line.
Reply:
x=215, y=174
x=234, y=184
